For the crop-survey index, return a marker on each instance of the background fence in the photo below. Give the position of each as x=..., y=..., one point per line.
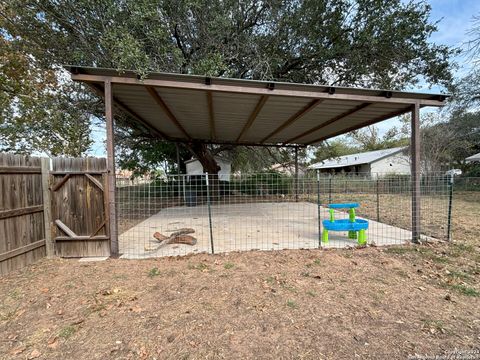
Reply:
x=271, y=211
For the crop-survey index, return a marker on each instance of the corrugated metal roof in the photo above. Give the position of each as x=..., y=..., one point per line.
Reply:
x=220, y=110
x=356, y=159
x=473, y=158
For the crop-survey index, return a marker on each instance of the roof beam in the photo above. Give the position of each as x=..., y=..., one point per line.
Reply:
x=253, y=116
x=303, y=111
x=368, y=123
x=277, y=91
x=331, y=121
x=213, y=133
x=99, y=90
x=153, y=93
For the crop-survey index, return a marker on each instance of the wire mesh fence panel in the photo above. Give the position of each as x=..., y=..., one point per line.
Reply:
x=163, y=216
x=264, y=211
x=182, y=214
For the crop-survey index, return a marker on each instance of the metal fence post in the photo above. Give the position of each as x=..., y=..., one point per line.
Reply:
x=318, y=211
x=209, y=213
x=450, y=200
x=378, y=200
x=330, y=189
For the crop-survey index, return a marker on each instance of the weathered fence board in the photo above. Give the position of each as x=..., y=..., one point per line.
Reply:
x=22, y=230
x=78, y=207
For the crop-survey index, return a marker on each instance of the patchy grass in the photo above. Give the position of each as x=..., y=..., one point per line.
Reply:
x=228, y=265
x=465, y=290
x=271, y=308
x=66, y=332
x=292, y=304
x=154, y=272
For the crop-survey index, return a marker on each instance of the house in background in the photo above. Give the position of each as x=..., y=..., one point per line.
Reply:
x=195, y=168
x=393, y=161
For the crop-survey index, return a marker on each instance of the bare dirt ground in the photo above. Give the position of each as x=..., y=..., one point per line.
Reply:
x=371, y=303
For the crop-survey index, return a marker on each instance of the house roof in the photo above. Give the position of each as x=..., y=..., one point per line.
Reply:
x=245, y=112
x=473, y=158
x=356, y=159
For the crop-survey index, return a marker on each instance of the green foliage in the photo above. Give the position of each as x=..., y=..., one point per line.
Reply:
x=142, y=155
x=369, y=139
x=229, y=265
x=334, y=42
x=67, y=332
x=38, y=112
x=466, y=290
x=154, y=272
x=270, y=183
x=292, y=304
x=333, y=149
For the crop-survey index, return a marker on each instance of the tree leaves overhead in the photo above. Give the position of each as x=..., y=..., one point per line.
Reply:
x=37, y=112
x=368, y=43
x=380, y=43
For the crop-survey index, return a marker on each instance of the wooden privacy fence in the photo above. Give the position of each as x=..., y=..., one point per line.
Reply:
x=48, y=212
x=22, y=223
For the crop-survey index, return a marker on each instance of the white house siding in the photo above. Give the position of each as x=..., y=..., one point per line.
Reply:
x=195, y=168
x=396, y=164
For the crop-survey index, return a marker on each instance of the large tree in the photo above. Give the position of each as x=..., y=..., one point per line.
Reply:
x=370, y=43
x=38, y=112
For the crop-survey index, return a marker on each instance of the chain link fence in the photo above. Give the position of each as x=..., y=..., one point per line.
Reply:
x=183, y=214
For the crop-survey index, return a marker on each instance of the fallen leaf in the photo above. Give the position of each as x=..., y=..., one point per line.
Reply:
x=34, y=354
x=44, y=290
x=18, y=350
x=53, y=343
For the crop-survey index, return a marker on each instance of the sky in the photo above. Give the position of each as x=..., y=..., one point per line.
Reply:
x=455, y=19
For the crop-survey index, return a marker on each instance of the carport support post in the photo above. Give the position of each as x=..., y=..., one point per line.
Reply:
x=415, y=170
x=318, y=211
x=111, y=169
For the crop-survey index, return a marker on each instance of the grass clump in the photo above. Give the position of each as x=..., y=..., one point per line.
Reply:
x=228, y=265
x=154, y=272
x=465, y=290
x=66, y=332
x=292, y=304
x=199, y=266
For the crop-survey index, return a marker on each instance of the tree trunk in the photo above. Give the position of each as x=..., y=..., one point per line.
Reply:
x=210, y=166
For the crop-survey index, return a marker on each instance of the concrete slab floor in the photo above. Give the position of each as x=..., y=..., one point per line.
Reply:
x=246, y=226
x=93, y=259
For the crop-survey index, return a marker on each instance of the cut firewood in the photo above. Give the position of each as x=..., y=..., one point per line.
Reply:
x=160, y=237
x=182, y=239
x=182, y=231
x=177, y=237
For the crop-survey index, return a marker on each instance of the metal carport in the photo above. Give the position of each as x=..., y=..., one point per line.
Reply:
x=186, y=108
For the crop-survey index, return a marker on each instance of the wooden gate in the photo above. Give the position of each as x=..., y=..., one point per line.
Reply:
x=79, y=202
